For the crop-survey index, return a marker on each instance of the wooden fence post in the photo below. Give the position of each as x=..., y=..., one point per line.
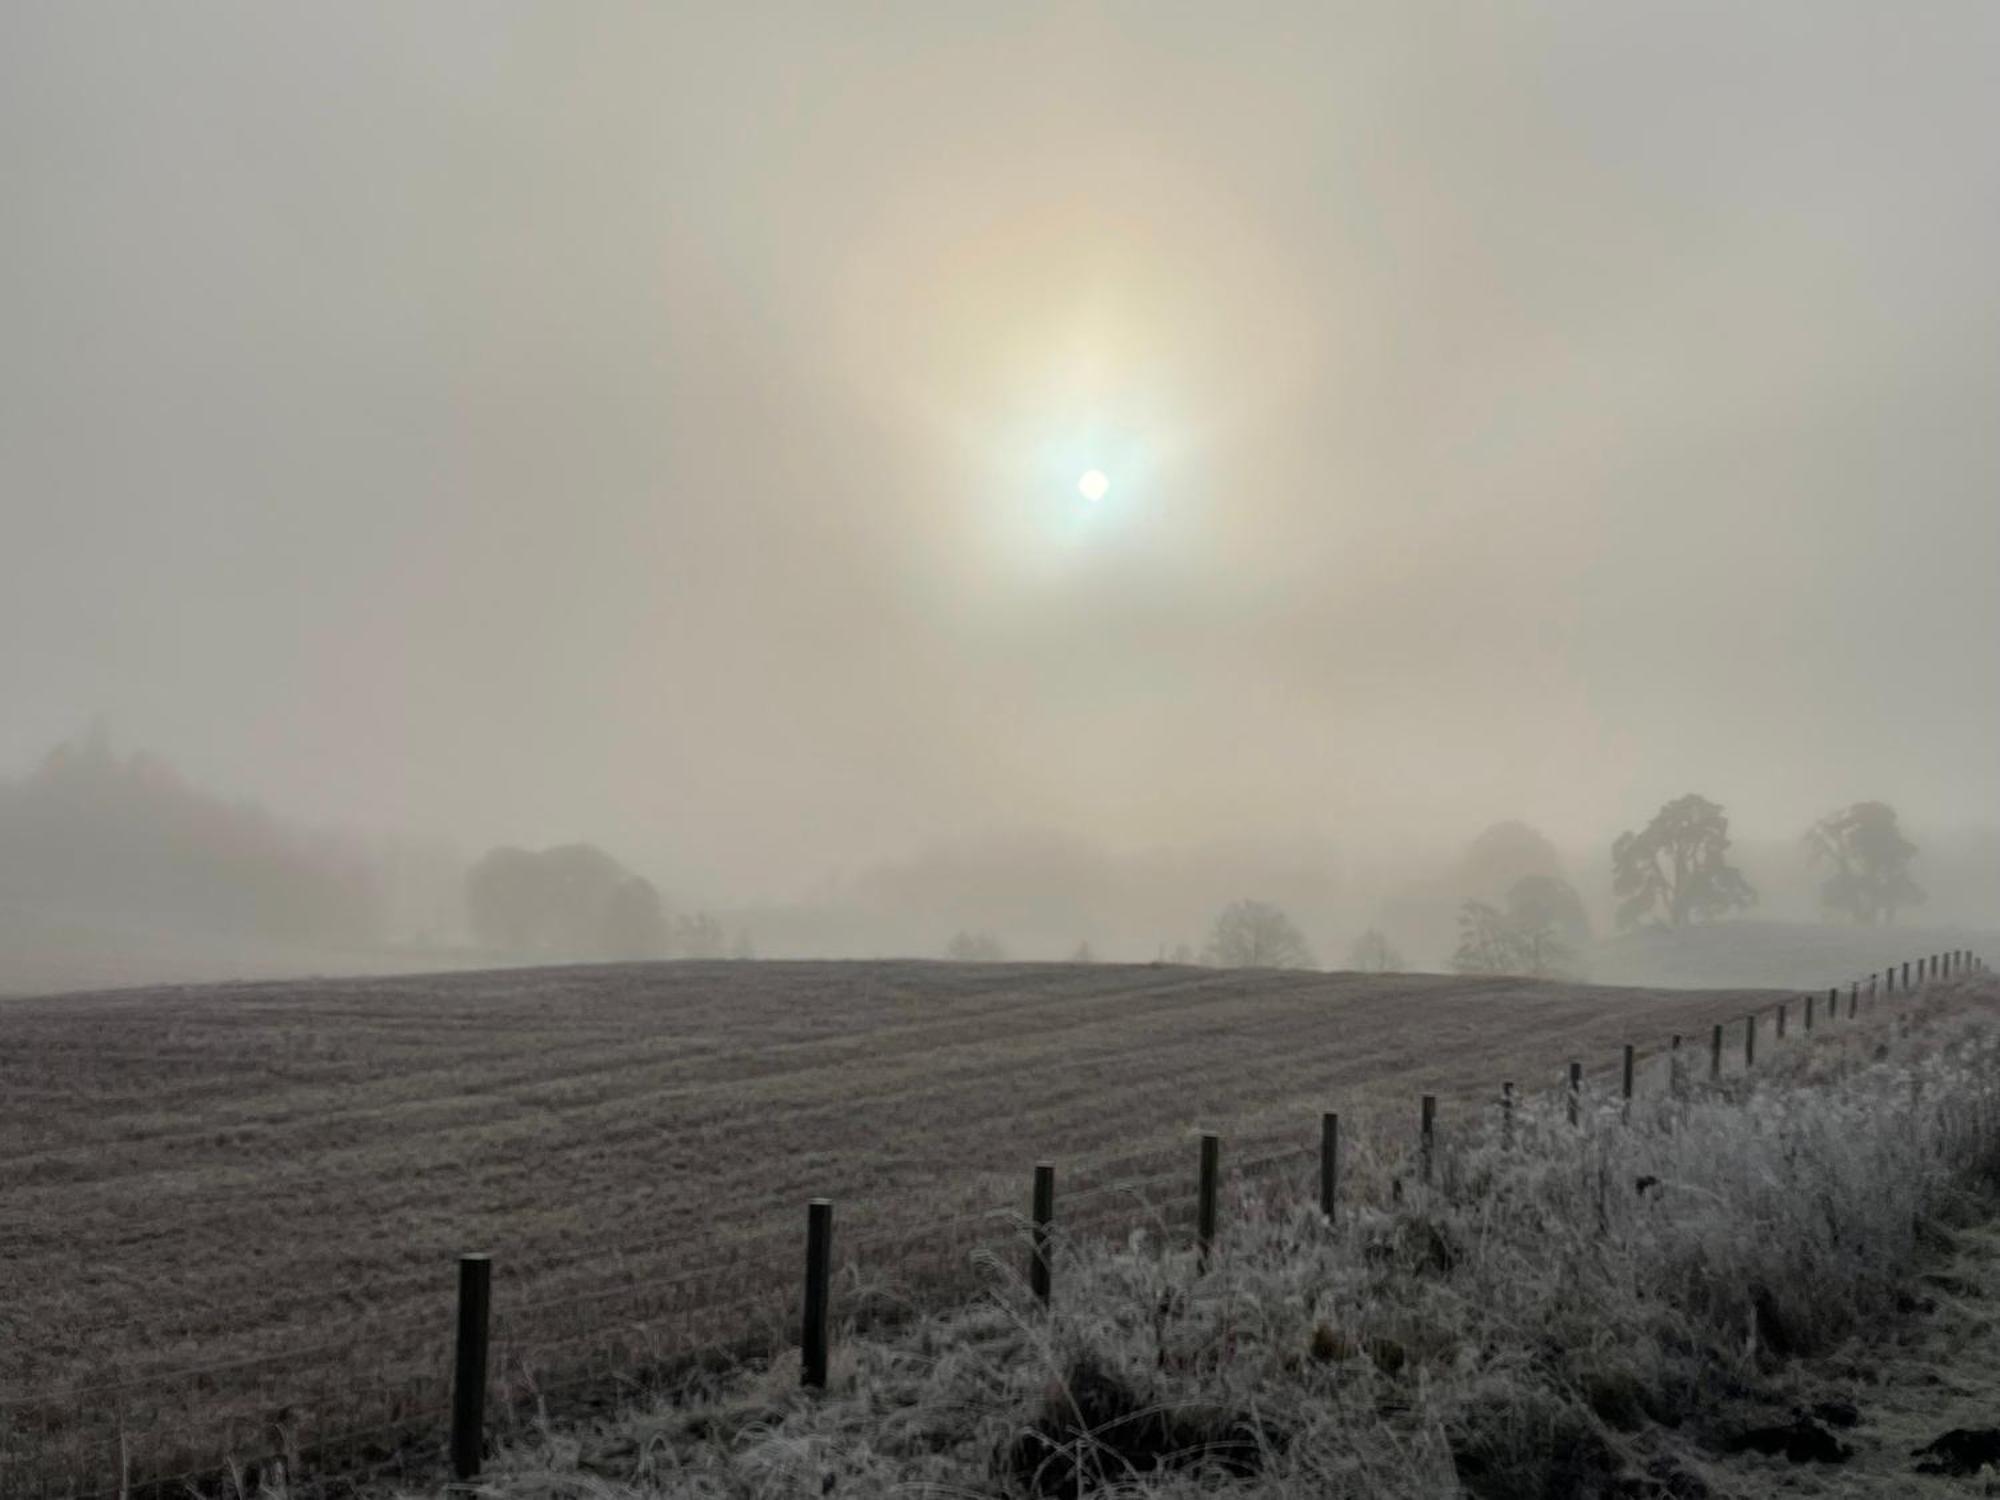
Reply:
x=1853, y=999
x=1575, y=1091
x=1906, y=975
x=1749, y=1041
x=1426, y=1137
x=1329, y=1163
x=468, y=1385
x=1507, y=1113
x=1211, y=1165
x=1781, y=1020
x=1809, y=1010
x=819, y=1272
x=1625, y=1087
x=1715, y=1053
x=1039, y=1277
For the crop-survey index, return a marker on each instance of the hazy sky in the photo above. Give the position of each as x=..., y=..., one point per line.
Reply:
x=661, y=425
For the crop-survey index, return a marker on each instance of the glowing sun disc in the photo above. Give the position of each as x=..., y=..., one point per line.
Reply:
x=1093, y=485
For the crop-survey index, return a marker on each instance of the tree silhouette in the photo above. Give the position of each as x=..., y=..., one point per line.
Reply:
x=1485, y=945
x=1373, y=953
x=1256, y=935
x=1870, y=859
x=1502, y=855
x=1525, y=937
x=1678, y=866
x=634, y=925
x=574, y=901
x=1538, y=902
x=699, y=936
x=504, y=900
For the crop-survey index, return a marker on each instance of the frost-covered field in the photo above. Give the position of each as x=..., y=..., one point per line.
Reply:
x=277, y=1177
x=1774, y=1286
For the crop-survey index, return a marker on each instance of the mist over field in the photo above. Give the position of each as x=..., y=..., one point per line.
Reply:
x=662, y=435
x=799, y=748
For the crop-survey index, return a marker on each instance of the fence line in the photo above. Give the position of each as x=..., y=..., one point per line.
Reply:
x=78, y=1474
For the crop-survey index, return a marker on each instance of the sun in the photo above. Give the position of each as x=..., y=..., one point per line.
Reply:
x=1093, y=485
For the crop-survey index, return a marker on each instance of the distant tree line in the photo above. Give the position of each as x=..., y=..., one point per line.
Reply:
x=125, y=838
x=576, y=901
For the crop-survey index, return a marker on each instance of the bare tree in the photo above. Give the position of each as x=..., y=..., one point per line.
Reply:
x=1678, y=866
x=1256, y=935
x=699, y=936
x=1870, y=859
x=1485, y=944
x=1525, y=937
x=1373, y=953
